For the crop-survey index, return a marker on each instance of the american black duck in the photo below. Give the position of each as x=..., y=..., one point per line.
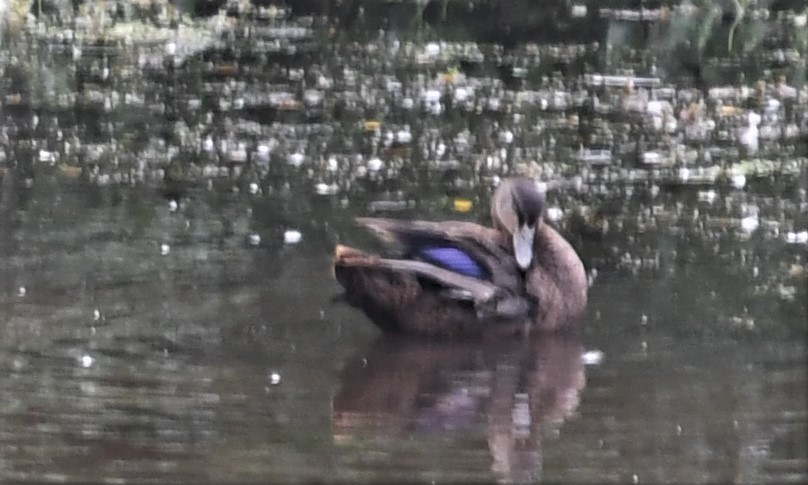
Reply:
x=455, y=278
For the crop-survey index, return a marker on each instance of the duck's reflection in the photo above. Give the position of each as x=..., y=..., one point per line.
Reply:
x=515, y=389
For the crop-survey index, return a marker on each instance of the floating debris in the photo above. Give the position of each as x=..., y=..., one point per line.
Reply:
x=390, y=205
x=554, y=214
x=622, y=81
x=592, y=357
x=375, y=164
x=738, y=181
x=292, y=236
x=326, y=189
x=295, y=159
x=595, y=157
x=462, y=205
x=800, y=237
x=86, y=361
x=707, y=196
x=750, y=223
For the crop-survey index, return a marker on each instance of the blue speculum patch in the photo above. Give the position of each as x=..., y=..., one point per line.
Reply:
x=453, y=259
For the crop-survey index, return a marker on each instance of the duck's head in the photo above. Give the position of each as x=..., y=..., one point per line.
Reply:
x=516, y=209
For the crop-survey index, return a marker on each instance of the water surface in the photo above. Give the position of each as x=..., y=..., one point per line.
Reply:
x=155, y=326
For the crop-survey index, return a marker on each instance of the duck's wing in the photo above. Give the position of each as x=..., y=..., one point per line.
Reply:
x=488, y=298
x=463, y=247
x=465, y=287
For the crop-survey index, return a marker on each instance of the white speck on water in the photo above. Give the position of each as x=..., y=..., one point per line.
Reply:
x=750, y=134
x=635, y=479
x=461, y=94
x=506, y=137
x=86, y=361
x=47, y=157
x=96, y=314
x=750, y=223
x=375, y=164
x=678, y=429
x=295, y=159
x=21, y=291
x=797, y=237
x=578, y=11
x=325, y=189
x=554, y=214
x=262, y=152
x=172, y=205
x=253, y=188
x=432, y=49
x=431, y=96
x=274, y=378
x=165, y=249
x=592, y=357
x=403, y=136
x=644, y=320
x=739, y=181
x=707, y=196
x=652, y=158
x=254, y=239
x=292, y=236
x=593, y=275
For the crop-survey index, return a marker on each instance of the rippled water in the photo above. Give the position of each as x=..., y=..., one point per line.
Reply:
x=223, y=361
x=154, y=325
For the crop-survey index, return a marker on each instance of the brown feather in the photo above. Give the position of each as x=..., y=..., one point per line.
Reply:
x=413, y=296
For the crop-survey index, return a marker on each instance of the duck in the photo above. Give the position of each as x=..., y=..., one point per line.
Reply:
x=456, y=278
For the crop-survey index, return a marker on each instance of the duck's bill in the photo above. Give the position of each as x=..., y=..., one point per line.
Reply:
x=523, y=246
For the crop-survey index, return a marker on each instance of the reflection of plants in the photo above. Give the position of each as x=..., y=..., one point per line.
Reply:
x=703, y=30
x=706, y=29
x=15, y=13
x=740, y=10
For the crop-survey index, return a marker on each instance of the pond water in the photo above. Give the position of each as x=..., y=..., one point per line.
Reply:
x=160, y=321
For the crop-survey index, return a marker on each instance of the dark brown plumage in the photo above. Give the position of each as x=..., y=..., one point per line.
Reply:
x=519, y=277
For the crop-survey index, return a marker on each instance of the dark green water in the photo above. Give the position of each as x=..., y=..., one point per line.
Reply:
x=142, y=342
